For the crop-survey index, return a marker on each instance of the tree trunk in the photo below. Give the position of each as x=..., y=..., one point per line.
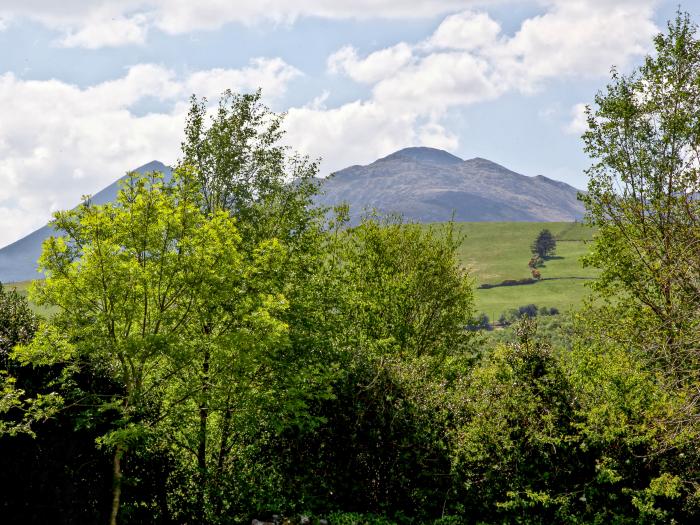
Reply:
x=203, y=420
x=225, y=431
x=116, y=484
x=223, y=453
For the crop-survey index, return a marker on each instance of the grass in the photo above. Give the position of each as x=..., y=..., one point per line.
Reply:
x=21, y=287
x=496, y=251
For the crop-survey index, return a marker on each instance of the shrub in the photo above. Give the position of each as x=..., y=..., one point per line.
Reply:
x=529, y=310
x=481, y=322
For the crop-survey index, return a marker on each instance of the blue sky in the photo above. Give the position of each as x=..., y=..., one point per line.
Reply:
x=90, y=88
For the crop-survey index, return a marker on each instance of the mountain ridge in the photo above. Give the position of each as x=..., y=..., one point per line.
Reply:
x=422, y=184
x=18, y=259
x=428, y=185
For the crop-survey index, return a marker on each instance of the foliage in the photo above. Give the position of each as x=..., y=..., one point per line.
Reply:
x=543, y=246
x=19, y=411
x=642, y=196
x=399, y=306
x=242, y=169
x=535, y=262
x=481, y=322
x=513, y=441
x=526, y=311
x=146, y=286
x=241, y=166
x=508, y=282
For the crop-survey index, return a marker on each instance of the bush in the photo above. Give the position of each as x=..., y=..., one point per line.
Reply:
x=354, y=518
x=529, y=310
x=481, y=322
x=509, y=282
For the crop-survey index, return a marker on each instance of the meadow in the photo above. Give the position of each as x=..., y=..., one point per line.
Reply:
x=496, y=251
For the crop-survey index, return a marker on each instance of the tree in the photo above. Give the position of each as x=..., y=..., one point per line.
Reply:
x=644, y=138
x=18, y=411
x=135, y=280
x=242, y=167
x=535, y=262
x=544, y=245
x=515, y=417
x=391, y=312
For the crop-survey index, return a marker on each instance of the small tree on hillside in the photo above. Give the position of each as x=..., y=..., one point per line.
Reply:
x=544, y=245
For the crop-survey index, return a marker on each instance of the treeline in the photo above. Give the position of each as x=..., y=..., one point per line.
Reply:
x=224, y=351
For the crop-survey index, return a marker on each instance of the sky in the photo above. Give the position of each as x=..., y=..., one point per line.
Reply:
x=90, y=89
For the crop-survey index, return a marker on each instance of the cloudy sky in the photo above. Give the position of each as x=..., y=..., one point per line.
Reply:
x=92, y=88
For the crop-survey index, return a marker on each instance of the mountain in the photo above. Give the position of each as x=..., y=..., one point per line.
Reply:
x=423, y=184
x=18, y=260
x=428, y=185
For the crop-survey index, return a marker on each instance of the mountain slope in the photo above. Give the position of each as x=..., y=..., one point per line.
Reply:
x=427, y=185
x=423, y=184
x=18, y=260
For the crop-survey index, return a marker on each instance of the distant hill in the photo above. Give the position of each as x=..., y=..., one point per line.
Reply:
x=18, y=260
x=428, y=185
x=423, y=184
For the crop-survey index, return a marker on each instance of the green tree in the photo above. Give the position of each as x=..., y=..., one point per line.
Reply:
x=643, y=136
x=544, y=245
x=515, y=450
x=236, y=155
x=241, y=166
x=134, y=281
x=19, y=410
x=390, y=316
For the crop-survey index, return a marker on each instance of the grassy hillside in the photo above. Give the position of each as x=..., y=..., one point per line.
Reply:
x=495, y=251
x=23, y=288
x=20, y=287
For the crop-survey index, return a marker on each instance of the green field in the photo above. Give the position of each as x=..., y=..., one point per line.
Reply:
x=495, y=251
x=20, y=287
x=23, y=288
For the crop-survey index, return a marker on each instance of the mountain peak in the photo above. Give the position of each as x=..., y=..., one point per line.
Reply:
x=480, y=162
x=424, y=154
x=431, y=185
x=154, y=165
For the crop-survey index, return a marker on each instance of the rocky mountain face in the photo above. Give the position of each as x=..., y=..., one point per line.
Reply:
x=429, y=185
x=18, y=260
x=422, y=184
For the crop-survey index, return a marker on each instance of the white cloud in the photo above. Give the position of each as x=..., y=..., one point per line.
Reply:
x=272, y=75
x=466, y=31
x=467, y=60
x=439, y=81
x=99, y=32
x=100, y=23
x=468, y=53
x=375, y=67
x=579, y=122
x=59, y=141
x=576, y=38
x=181, y=16
x=359, y=132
